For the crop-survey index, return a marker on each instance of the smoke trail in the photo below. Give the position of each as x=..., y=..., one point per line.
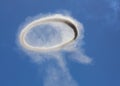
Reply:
x=49, y=38
x=58, y=77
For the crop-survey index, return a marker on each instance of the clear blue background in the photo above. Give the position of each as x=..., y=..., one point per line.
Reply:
x=101, y=20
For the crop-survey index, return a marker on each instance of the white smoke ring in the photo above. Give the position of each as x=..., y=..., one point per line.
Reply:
x=56, y=18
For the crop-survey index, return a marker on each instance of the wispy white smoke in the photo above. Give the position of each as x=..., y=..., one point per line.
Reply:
x=50, y=34
x=57, y=77
x=115, y=6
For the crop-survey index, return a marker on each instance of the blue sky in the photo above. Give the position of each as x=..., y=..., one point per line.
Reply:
x=101, y=20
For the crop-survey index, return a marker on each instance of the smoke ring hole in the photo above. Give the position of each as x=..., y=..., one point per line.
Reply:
x=55, y=18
